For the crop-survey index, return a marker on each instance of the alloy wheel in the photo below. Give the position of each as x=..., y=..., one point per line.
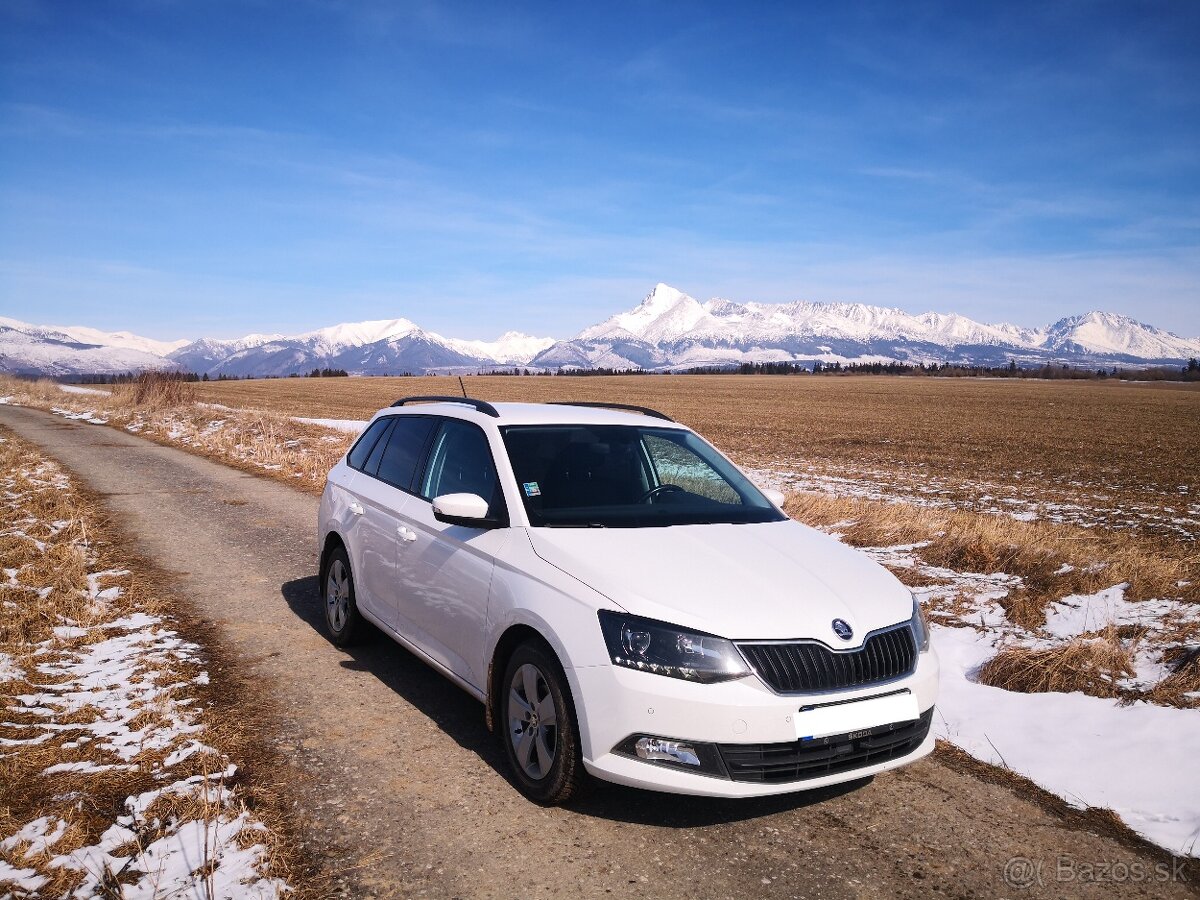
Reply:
x=337, y=596
x=532, y=721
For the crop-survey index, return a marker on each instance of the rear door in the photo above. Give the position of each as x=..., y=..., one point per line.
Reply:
x=446, y=572
x=363, y=527
x=391, y=471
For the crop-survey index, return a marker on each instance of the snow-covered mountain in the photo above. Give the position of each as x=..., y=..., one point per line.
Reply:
x=48, y=350
x=1101, y=332
x=206, y=354
x=667, y=330
x=388, y=346
x=671, y=330
x=121, y=339
x=512, y=347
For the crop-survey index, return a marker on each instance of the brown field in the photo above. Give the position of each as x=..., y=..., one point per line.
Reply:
x=1084, y=452
x=883, y=462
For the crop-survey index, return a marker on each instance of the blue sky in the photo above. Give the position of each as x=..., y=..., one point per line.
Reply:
x=208, y=168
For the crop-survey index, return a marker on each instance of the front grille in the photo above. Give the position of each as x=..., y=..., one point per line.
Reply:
x=803, y=666
x=801, y=760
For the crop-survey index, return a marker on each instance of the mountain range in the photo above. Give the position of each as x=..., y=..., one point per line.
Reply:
x=390, y=346
x=668, y=330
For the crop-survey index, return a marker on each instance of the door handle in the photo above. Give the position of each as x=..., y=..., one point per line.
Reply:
x=406, y=534
x=357, y=509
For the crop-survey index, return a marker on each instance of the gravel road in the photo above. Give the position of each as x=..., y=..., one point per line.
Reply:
x=400, y=789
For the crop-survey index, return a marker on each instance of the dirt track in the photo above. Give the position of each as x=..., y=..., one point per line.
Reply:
x=401, y=789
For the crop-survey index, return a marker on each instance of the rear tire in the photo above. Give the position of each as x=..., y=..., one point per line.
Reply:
x=342, y=619
x=538, y=727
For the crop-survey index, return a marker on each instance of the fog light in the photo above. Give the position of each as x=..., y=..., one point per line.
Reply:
x=670, y=751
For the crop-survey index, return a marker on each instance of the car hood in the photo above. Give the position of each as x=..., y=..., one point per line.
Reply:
x=769, y=581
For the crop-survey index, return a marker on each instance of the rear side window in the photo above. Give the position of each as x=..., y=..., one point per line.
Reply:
x=357, y=458
x=371, y=466
x=404, y=451
x=460, y=462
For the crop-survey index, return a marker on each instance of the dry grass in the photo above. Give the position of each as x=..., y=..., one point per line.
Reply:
x=1052, y=560
x=165, y=410
x=1092, y=665
x=274, y=444
x=156, y=390
x=1174, y=690
x=35, y=493
x=41, y=392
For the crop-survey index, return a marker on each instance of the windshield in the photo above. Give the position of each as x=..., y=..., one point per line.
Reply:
x=624, y=476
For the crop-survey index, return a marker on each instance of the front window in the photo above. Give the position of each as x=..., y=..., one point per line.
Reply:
x=625, y=476
x=460, y=462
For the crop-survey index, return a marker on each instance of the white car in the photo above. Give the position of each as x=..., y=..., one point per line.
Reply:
x=623, y=601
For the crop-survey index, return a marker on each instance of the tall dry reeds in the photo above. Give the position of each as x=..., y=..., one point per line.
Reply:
x=157, y=390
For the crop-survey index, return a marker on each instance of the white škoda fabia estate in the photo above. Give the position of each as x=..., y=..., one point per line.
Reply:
x=623, y=601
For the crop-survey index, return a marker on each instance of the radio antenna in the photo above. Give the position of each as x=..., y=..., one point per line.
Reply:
x=463, y=386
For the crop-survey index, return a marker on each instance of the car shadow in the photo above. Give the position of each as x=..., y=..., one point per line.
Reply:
x=461, y=718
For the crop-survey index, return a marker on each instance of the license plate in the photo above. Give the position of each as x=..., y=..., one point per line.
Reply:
x=844, y=718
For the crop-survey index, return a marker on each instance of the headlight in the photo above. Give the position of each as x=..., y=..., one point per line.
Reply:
x=637, y=643
x=920, y=626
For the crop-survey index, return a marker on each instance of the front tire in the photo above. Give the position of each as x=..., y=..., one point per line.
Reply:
x=342, y=619
x=538, y=727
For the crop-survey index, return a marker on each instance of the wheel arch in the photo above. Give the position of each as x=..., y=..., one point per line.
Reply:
x=513, y=637
x=333, y=541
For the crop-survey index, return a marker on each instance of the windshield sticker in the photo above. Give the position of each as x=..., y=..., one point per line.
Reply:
x=532, y=489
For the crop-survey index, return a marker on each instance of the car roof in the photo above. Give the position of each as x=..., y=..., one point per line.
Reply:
x=534, y=414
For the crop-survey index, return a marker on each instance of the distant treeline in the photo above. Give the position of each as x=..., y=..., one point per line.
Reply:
x=516, y=371
x=130, y=377
x=1189, y=372
x=326, y=373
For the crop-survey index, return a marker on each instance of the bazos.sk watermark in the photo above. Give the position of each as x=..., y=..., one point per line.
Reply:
x=1024, y=872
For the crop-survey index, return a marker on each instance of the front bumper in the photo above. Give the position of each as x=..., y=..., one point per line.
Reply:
x=737, y=715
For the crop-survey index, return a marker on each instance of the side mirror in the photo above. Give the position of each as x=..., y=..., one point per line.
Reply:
x=774, y=496
x=469, y=510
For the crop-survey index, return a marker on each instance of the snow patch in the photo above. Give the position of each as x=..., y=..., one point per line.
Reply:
x=1071, y=744
x=9, y=669
x=351, y=426
x=86, y=416
x=1076, y=746
x=114, y=700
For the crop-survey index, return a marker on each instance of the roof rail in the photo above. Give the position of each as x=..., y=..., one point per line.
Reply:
x=599, y=404
x=481, y=405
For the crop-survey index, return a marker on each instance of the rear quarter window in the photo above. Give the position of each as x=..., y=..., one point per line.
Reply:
x=357, y=457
